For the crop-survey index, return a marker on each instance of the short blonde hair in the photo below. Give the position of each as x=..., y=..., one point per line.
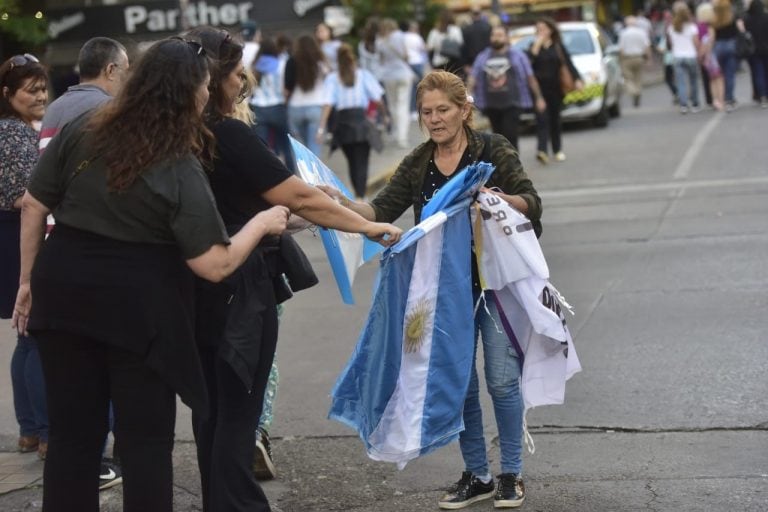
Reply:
x=448, y=83
x=243, y=110
x=705, y=13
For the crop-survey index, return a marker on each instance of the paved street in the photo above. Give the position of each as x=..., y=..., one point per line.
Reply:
x=656, y=231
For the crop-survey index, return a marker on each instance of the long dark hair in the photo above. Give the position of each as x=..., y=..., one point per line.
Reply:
x=225, y=54
x=307, y=57
x=14, y=73
x=268, y=47
x=155, y=116
x=552, y=25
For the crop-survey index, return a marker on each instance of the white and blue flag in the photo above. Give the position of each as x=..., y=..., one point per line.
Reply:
x=346, y=251
x=403, y=389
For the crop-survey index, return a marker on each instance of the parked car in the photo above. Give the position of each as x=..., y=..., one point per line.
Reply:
x=598, y=64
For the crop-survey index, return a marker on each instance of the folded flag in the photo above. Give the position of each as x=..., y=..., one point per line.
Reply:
x=346, y=251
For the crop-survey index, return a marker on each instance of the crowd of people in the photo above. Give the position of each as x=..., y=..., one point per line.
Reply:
x=172, y=185
x=702, y=45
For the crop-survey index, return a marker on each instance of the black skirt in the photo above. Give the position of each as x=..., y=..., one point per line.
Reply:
x=10, y=224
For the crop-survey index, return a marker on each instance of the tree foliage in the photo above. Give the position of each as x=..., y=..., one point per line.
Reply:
x=423, y=11
x=22, y=27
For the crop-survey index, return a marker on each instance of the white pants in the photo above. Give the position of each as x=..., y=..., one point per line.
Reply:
x=399, y=101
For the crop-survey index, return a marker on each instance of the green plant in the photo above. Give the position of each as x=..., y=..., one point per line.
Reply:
x=24, y=28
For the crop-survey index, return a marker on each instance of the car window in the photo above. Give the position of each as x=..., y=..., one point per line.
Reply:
x=578, y=42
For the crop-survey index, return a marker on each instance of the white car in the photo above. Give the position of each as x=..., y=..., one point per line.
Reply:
x=598, y=64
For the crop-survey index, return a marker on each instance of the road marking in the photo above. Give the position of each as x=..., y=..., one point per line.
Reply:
x=685, y=165
x=651, y=187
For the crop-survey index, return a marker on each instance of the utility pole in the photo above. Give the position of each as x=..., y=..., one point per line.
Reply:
x=183, y=20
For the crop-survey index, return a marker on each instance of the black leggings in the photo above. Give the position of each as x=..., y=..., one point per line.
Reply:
x=82, y=375
x=505, y=122
x=549, y=125
x=357, y=155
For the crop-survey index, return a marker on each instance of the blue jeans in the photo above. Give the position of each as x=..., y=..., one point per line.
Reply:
x=272, y=127
x=28, y=384
x=304, y=122
x=502, y=375
x=725, y=51
x=687, y=80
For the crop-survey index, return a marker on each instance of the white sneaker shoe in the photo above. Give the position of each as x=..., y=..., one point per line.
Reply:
x=560, y=156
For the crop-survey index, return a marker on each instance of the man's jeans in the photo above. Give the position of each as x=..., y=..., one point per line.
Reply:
x=502, y=375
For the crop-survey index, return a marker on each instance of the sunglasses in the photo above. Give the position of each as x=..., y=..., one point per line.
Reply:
x=193, y=45
x=22, y=60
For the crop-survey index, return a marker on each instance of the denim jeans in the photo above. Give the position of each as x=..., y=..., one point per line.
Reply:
x=502, y=375
x=687, y=79
x=725, y=50
x=304, y=122
x=272, y=126
x=29, y=389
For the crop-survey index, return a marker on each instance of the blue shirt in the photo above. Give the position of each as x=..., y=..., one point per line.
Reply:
x=520, y=67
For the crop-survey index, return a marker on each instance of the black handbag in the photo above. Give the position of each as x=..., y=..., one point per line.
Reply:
x=745, y=45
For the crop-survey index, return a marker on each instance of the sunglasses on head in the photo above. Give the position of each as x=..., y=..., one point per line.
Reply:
x=193, y=45
x=23, y=60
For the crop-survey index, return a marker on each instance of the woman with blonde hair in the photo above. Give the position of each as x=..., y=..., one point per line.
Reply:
x=727, y=28
x=684, y=39
x=709, y=67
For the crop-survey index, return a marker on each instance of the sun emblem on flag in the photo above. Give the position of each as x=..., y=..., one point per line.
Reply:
x=416, y=321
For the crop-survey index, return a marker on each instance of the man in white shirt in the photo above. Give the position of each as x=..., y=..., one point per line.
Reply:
x=634, y=50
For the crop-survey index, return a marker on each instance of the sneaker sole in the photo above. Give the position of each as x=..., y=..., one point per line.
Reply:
x=464, y=504
x=111, y=483
x=263, y=467
x=508, y=503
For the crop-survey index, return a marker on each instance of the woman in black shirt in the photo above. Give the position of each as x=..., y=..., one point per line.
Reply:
x=237, y=320
x=547, y=54
x=112, y=294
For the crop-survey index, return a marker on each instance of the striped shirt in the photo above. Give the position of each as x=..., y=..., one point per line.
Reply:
x=269, y=91
x=365, y=90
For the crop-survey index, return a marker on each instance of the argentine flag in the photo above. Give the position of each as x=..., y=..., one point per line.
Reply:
x=404, y=387
x=346, y=251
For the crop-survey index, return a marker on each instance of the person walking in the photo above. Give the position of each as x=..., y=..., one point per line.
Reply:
x=268, y=100
x=236, y=338
x=328, y=44
x=727, y=27
x=24, y=88
x=684, y=39
x=134, y=215
x=445, y=44
x=477, y=36
x=667, y=59
x=634, y=50
x=713, y=85
x=305, y=72
x=350, y=91
x=548, y=54
x=416, y=48
x=397, y=77
x=756, y=23
x=445, y=113
x=503, y=81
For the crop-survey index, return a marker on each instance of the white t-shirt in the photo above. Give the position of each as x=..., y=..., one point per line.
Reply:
x=416, y=48
x=682, y=42
x=633, y=42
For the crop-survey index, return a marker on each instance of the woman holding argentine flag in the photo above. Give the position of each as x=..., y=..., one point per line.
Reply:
x=236, y=320
x=445, y=113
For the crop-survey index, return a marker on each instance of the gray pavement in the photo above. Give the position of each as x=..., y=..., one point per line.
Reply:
x=656, y=230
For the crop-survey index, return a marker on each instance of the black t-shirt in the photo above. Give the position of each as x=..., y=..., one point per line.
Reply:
x=244, y=168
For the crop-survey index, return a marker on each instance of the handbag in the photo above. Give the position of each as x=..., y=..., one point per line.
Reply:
x=450, y=48
x=567, y=83
x=745, y=45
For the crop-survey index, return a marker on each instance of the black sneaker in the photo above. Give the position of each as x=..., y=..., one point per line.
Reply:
x=466, y=476
x=469, y=490
x=510, y=492
x=110, y=474
x=263, y=467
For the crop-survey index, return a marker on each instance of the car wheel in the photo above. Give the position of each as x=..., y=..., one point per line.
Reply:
x=615, y=109
x=601, y=119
